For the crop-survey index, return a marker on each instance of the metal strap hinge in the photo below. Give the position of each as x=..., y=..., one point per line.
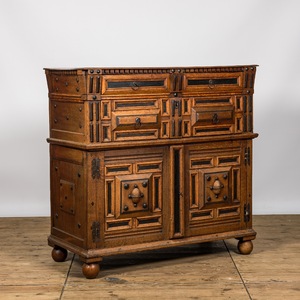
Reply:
x=247, y=156
x=247, y=212
x=96, y=168
x=96, y=232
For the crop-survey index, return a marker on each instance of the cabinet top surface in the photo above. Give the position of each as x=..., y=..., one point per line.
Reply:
x=163, y=69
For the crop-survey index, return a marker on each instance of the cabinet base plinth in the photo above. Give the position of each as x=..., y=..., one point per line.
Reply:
x=91, y=258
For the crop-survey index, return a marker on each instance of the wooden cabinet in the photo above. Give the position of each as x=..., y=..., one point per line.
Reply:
x=147, y=158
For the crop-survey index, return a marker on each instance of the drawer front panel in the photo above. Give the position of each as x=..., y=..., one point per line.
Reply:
x=212, y=116
x=135, y=84
x=216, y=115
x=214, y=82
x=138, y=119
x=135, y=120
x=163, y=118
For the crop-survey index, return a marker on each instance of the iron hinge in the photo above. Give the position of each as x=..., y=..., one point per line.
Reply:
x=96, y=232
x=247, y=212
x=96, y=168
x=247, y=156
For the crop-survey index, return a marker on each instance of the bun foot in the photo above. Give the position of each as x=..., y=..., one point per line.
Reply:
x=245, y=247
x=59, y=254
x=90, y=271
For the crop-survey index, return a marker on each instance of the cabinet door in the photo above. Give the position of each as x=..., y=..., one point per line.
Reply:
x=134, y=195
x=216, y=187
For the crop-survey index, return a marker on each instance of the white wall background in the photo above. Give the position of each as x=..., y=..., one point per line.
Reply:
x=60, y=33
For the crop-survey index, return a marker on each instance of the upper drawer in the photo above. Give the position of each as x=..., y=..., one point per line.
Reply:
x=135, y=84
x=135, y=120
x=212, y=115
x=213, y=82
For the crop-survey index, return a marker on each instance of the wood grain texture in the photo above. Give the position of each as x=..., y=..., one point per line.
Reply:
x=274, y=267
x=26, y=271
x=205, y=271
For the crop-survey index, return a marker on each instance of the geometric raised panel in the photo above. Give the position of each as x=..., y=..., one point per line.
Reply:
x=133, y=194
x=216, y=187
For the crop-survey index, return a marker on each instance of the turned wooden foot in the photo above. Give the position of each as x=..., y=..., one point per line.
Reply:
x=245, y=247
x=59, y=254
x=90, y=271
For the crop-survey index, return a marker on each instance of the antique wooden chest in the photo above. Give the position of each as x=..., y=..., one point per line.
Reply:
x=145, y=158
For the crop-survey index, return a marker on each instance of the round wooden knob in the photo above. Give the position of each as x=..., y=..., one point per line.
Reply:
x=217, y=186
x=136, y=195
x=245, y=247
x=90, y=271
x=59, y=254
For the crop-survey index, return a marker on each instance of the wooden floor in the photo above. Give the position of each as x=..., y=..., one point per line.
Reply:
x=205, y=271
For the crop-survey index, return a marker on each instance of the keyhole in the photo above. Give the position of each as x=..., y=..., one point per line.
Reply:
x=138, y=121
x=215, y=119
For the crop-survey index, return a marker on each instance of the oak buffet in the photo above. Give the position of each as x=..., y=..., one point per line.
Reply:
x=146, y=158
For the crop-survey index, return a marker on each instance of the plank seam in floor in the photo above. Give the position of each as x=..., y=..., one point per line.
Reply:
x=241, y=277
x=67, y=277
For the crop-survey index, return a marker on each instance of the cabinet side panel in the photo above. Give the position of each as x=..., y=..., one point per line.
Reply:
x=68, y=213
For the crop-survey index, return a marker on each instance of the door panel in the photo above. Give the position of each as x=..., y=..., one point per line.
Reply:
x=216, y=188
x=134, y=195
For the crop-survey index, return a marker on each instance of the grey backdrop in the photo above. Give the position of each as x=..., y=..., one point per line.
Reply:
x=36, y=34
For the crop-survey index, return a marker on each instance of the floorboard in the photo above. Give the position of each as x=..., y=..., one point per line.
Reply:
x=204, y=271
